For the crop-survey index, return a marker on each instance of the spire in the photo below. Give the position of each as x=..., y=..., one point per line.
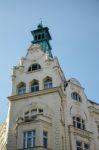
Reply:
x=42, y=36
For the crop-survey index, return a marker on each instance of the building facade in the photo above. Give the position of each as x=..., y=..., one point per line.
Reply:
x=46, y=112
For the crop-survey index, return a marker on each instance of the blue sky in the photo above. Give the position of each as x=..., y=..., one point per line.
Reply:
x=74, y=27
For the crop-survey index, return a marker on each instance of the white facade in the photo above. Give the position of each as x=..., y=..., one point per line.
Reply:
x=46, y=111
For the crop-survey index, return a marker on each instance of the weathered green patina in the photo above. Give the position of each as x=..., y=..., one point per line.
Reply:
x=42, y=36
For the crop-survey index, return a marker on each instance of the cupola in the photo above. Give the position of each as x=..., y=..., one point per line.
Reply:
x=42, y=36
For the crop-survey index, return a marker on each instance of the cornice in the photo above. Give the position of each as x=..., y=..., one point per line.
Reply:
x=38, y=119
x=93, y=110
x=38, y=93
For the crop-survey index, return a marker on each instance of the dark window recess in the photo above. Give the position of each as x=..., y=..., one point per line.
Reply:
x=39, y=37
x=40, y=110
x=26, y=118
x=76, y=96
x=78, y=123
x=43, y=36
x=45, y=139
x=34, y=67
x=36, y=37
x=35, y=86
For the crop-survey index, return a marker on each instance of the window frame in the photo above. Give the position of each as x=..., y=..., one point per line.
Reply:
x=81, y=145
x=45, y=139
x=34, y=87
x=78, y=122
x=34, y=67
x=75, y=96
x=48, y=83
x=21, y=88
x=27, y=138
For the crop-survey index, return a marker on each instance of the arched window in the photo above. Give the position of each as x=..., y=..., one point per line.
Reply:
x=34, y=86
x=34, y=67
x=43, y=36
x=35, y=37
x=39, y=36
x=47, y=82
x=79, y=123
x=21, y=88
x=76, y=96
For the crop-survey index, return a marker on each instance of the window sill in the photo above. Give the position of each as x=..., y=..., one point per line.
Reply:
x=36, y=148
x=34, y=71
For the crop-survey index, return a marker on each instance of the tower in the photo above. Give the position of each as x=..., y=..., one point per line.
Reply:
x=42, y=36
x=37, y=97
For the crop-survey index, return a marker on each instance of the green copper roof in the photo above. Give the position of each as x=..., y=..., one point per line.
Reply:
x=42, y=36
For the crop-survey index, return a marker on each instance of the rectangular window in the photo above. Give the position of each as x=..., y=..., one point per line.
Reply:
x=35, y=88
x=21, y=90
x=29, y=139
x=45, y=139
x=86, y=146
x=81, y=145
x=40, y=110
x=79, y=123
x=47, y=85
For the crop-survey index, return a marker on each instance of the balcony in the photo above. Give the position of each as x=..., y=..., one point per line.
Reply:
x=36, y=148
x=80, y=132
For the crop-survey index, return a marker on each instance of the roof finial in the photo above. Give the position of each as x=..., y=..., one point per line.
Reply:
x=41, y=21
x=40, y=24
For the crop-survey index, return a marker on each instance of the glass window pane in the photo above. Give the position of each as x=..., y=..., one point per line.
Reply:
x=86, y=146
x=35, y=87
x=45, y=139
x=45, y=142
x=29, y=139
x=48, y=84
x=29, y=143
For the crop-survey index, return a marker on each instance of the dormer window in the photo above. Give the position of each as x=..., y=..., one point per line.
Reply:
x=76, y=96
x=34, y=86
x=21, y=88
x=47, y=82
x=34, y=67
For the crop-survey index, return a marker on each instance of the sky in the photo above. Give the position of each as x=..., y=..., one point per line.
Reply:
x=74, y=27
